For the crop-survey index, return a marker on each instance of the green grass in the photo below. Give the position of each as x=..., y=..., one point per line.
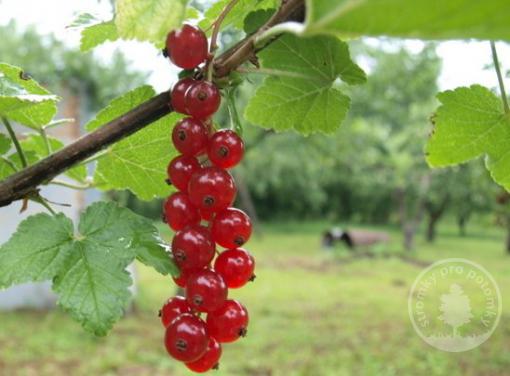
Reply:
x=312, y=313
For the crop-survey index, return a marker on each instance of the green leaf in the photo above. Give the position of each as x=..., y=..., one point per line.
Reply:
x=5, y=144
x=36, y=144
x=23, y=100
x=137, y=163
x=84, y=19
x=97, y=34
x=255, y=20
x=37, y=250
x=237, y=15
x=454, y=19
x=149, y=20
x=469, y=123
x=303, y=94
x=88, y=268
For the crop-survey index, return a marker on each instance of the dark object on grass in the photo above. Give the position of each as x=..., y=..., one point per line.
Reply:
x=353, y=238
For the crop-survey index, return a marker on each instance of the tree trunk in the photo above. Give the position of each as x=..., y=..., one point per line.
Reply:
x=508, y=240
x=431, y=229
x=461, y=222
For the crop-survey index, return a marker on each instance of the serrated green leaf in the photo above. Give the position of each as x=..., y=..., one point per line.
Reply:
x=37, y=250
x=36, y=144
x=23, y=100
x=149, y=20
x=5, y=144
x=436, y=19
x=97, y=34
x=237, y=15
x=88, y=268
x=469, y=123
x=255, y=20
x=302, y=94
x=137, y=163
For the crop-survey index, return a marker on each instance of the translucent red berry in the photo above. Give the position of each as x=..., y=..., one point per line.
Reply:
x=189, y=136
x=229, y=322
x=187, y=47
x=212, y=189
x=186, y=338
x=183, y=277
x=210, y=360
x=180, y=169
x=225, y=148
x=231, y=228
x=193, y=248
x=206, y=291
x=202, y=99
x=235, y=266
x=173, y=308
x=179, y=94
x=179, y=212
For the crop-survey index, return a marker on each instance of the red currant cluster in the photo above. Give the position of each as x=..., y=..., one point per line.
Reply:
x=202, y=216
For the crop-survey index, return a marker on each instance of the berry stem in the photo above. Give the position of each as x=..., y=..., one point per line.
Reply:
x=217, y=25
x=500, y=77
x=15, y=141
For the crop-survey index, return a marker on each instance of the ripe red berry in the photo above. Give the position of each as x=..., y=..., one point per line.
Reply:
x=209, y=360
x=173, y=308
x=190, y=137
x=206, y=215
x=186, y=338
x=193, y=248
x=211, y=189
x=235, y=266
x=183, y=277
x=202, y=100
x=179, y=211
x=187, y=47
x=231, y=228
x=229, y=322
x=225, y=148
x=206, y=291
x=180, y=170
x=179, y=94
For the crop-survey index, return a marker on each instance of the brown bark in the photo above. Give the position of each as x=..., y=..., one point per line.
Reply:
x=24, y=183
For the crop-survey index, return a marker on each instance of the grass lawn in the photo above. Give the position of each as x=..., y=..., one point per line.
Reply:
x=312, y=313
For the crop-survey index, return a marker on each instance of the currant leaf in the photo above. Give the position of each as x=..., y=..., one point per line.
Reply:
x=149, y=20
x=37, y=250
x=470, y=123
x=137, y=163
x=97, y=34
x=303, y=94
x=6, y=168
x=23, y=100
x=416, y=19
x=5, y=144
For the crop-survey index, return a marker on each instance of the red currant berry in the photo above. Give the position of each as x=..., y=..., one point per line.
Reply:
x=211, y=189
x=206, y=215
x=173, y=308
x=225, y=148
x=190, y=137
x=206, y=291
x=202, y=100
x=193, y=248
x=186, y=338
x=183, y=277
x=180, y=170
x=235, y=267
x=187, y=47
x=179, y=212
x=229, y=322
x=209, y=360
x=231, y=228
x=179, y=94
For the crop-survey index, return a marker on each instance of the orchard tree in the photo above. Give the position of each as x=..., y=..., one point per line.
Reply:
x=298, y=46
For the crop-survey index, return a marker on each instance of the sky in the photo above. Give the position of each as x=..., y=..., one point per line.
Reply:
x=463, y=62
